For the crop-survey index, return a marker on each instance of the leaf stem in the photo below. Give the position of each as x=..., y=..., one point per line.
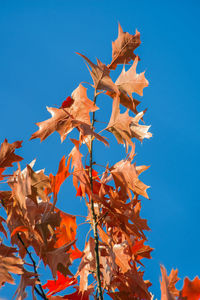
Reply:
x=94, y=217
x=41, y=291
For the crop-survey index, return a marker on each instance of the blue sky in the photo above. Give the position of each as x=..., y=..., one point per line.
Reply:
x=39, y=67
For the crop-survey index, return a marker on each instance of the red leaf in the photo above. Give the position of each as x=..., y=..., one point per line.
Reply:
x=60, y=284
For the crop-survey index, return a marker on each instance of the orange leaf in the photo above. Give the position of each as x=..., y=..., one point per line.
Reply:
x=191, y=289
x=66, y=233
x=62, y=174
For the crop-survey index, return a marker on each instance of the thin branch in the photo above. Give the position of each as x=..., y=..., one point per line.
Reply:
x=94, y=217
x=41, y=292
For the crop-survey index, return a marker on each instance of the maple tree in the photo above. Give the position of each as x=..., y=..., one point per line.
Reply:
x=112, y=254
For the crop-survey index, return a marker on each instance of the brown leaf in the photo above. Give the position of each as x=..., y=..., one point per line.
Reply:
x=27, y=279
x=86, y=131
x=132, y=284
x=123, y=47
x=125, y=176
x=131, y=82
x=39, y=182
x=100, y=75
x=7, y=155
x=2, y=229
x=125, y=127
x=9, y=263
x=123, y=256
x=61, y=120
x=167, y=285
x=125, y=100
x=87, y=265
x=59, y=260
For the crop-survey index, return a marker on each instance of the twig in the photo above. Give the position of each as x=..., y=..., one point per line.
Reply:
x=94, y=217
x=41, y=292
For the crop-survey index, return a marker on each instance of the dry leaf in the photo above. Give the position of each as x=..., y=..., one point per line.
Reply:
x=123, y=48
x=167, y=285
x=131, y=82
x=7, y=155
x=61, y=120
x=100, y=75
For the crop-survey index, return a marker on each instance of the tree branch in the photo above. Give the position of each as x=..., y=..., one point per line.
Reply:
x=94, y=217
x=41, y=291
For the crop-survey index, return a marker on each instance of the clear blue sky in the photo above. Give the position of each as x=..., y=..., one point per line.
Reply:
x=39, y=67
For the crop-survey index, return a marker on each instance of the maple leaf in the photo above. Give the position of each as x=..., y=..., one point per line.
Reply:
x=100, y=75
x=7, y=155
x=123, y=47
x=140, y=250
x=191, y=289
x=167, y=285
x=62, y=174
x=59, y=284
x=131, y=82
x=61, y=120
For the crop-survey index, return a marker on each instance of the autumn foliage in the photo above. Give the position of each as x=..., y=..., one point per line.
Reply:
x=116, y=246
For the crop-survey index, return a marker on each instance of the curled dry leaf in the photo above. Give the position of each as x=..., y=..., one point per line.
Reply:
x=138, y=131
x=79, y=173
x=7, y=155
x=101, y=76
x=123, y=48
x=126, y=101
x=125, y=127
x=61, y=120
x=125, y=176
x=27, y=279
x=86, y=131
x=167, y=285
x=9, y=263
